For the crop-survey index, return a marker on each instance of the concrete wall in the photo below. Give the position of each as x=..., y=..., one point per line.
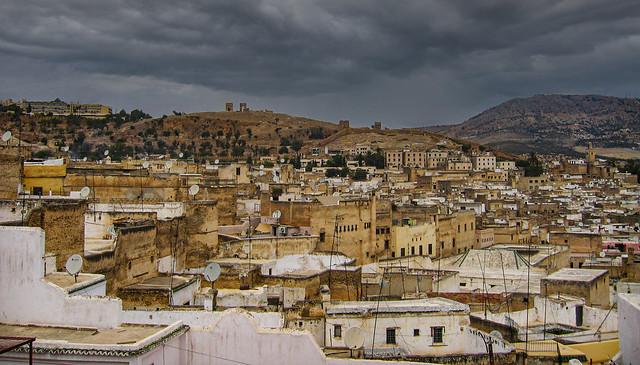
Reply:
x=265, y=248
x=201, y=241
x=629, y=308
x=11, y=167
x=28, y=299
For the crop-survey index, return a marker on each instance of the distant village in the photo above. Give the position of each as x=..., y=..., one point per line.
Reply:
x=446, y=255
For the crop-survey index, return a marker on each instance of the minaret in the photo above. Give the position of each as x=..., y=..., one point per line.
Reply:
x=591, y=158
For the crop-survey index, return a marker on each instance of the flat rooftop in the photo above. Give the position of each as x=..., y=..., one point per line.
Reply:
x=579, y=275
x=70, y=284
x=124, y=334
x=163, y=283
x=428, y=305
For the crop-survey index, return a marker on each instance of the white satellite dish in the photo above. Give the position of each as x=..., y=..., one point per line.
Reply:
x=211, y=272
x=354, y=338
x=6, y=136
x=84, y=159
x=496, y=334
x=575, y=362
x=261, y=167
x=603, y=254
x=216, y=161
x=85, y=191
x=261, y=173
x=276, y=179
x=282, y=160
x=74, y=264
x=168, y=164
x=65, y=148
x=194, y=189
x=106, y=152
x=145, y=165
x=276, y=214
x=180, y=155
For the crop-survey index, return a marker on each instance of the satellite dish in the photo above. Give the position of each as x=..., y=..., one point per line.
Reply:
x=194, y=189
x=180, y=155
x=496, y=334
x=282, y=160
x=65, y=148
x=145, y=165
x=216, y=161
x=261, y=167
x=168, y=164
x=276, y=214
x=84, y=192
x=6, y=136
x=212, y=272
x=575, y=362
x=354, y=338
x=106, y=152
x=261, y=173
x=603, y=254
x=84, y=159
x=276, y=179
x=74, y=264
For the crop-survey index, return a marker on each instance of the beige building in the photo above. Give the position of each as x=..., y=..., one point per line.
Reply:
x=484, y=162
x=410, y=239
x=437, y=159
x=592, y=285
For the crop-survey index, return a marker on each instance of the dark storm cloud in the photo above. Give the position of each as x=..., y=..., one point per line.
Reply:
x=425, y=60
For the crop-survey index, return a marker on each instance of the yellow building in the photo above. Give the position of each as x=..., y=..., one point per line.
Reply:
x=410, y=239
x=44, y=177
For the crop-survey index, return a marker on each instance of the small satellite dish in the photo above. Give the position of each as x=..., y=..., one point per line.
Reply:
x=65, y=148
x=145, y=165
x=212, y=272
x=180, y=155
x=276, y=214
x=282, y=160
x=216, y=161
x=354, y=338
x=575, y=362
x=84, y=159
x=496, y=334
x=74, y=264
x=85, y=191
x=276, y=179
x=168, y=164
x=6, y=136
x=106, y=152
x=194, y=189
x=261, y=167
x=603, y=254
x=261, y=173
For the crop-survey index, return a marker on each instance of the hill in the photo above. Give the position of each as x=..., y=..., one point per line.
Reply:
x=223, y=135
x=554, y=123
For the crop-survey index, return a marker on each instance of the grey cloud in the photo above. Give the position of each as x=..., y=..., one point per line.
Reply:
x=337, y=58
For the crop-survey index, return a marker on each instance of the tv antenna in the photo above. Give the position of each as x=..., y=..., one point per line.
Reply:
x=193, y=190
x=6, y=136
x=85, y=191
x=354, y=339
x=74, y=265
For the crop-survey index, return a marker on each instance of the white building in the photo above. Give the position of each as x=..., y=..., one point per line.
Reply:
x=484, y=162
x=420, y=328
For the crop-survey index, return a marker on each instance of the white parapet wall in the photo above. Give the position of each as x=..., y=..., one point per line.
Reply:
x=28, y=299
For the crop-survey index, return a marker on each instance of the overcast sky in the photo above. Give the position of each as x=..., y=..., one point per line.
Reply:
x=406, y=63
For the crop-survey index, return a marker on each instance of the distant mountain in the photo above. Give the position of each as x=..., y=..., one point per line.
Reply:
x=554, y=123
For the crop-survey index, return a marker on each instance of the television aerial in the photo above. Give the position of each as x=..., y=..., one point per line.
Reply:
x=354, y=338
x=211, y=272
x=6, y=136
x=74, y=265
x=85, y=191
x=194, y=189
x=276, y=214
x=145, y=165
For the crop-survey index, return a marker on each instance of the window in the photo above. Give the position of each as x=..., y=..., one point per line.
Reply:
x=391, y=336
x=237, y=171
x=322, y=236
x=37, y=190
x=337, y=331
x=416, y=332
x=413, y=250
x=402, y=251
x=420, y=250
x=438, y=334
x=430, y=249
x=386, y=244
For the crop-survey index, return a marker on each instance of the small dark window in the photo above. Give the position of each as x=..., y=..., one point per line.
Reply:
x=416, y=332
x=337, y=331
x=430, y=249
x=391, y=336
x=386, y=244
x=237, y=171
x=402, y=251
x=438, y=334
x=37, y=190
